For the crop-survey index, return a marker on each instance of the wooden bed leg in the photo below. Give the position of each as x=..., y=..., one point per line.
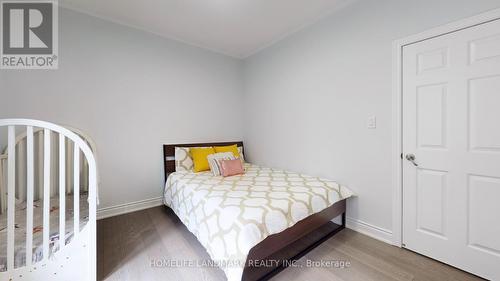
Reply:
x=343, y=219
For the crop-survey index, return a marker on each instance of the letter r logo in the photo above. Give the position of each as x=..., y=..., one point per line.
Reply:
x=27, y=28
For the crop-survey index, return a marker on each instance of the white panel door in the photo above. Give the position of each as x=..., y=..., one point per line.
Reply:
x=451, y=125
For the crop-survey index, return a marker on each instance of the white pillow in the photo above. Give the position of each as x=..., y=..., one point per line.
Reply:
x=183, y=160
x=214, y=161
x=240, y=151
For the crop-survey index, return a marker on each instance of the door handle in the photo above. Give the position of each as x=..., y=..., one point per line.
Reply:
x=411, y=157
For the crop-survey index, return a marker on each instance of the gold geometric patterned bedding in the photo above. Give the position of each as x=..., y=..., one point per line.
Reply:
x=231, y=215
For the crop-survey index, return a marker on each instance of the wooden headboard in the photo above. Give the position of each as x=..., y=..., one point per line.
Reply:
x=169, y=152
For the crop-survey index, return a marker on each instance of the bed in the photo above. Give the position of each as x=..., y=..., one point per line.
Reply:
x=253, y=224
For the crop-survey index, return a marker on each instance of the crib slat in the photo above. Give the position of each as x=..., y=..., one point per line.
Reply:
x=46, y=192
x=11, y=174
x=62, y=191
x=76, y=190
x=39, y=164
x=20, y=169
x=30, y=177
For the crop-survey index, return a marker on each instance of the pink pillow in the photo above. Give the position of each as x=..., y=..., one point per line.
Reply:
x=231, y=167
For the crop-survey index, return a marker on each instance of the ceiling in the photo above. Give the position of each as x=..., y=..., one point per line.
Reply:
x=238, y=28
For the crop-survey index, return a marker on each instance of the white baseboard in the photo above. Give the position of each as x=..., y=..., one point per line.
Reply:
x=376, y=232
x=128, y=207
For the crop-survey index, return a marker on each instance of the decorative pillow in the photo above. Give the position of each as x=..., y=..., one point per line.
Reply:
x=240, y=151
x=231, y=167
x=214, y=161
x=230, y=148
x=183, y=160
x=200, y=161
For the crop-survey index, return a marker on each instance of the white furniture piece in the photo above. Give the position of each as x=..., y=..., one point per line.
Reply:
x=451, y=148
x=38, y=146
x=76, y=258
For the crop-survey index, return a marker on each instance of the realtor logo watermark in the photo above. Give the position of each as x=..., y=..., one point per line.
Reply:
x=29, y=35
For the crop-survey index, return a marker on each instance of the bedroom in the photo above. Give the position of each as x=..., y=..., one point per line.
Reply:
x=312, y=87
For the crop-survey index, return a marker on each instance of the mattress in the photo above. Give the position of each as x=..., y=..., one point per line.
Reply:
x=231, y=215
x=20, y=229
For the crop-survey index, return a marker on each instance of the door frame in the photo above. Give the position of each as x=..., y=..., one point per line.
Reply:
x=397, y=114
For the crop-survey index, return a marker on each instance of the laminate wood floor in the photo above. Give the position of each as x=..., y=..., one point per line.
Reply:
x=127, y=244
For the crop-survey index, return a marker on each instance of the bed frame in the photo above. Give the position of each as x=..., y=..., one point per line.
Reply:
x=286, y=246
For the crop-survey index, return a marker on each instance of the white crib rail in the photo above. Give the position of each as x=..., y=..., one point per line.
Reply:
x=30, y=190
x=89, y=246
x=11, y=176
x=38, y=147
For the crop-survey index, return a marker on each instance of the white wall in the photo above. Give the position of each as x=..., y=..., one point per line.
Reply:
x=307, y=98
x=305, y=104
x=131, y=92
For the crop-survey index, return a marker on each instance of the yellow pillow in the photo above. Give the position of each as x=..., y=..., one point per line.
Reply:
x=230, y=148
x=199, y=156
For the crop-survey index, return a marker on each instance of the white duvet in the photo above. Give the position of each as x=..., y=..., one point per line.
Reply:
x=231, y=215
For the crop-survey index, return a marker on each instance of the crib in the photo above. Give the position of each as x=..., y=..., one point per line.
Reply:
x=48, y=197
